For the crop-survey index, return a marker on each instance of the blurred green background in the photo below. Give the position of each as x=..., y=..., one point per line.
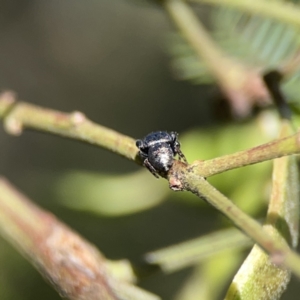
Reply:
x=108, y=59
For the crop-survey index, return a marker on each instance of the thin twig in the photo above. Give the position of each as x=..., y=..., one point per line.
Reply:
x=190, y=181
x=278, y=148
x=282, y=223
x=188, y=253
x=19, y=115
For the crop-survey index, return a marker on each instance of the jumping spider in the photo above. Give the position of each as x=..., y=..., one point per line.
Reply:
x=158, y=149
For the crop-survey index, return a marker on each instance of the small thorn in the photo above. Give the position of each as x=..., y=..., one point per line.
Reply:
x=77, y=117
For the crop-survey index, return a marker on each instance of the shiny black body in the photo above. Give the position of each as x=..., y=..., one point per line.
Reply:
x=158, y=149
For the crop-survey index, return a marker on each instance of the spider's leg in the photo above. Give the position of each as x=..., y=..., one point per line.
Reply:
x=178, y=151
x=181, y=156
x=150, y=168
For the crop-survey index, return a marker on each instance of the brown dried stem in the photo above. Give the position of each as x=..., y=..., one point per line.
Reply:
x=75, y=268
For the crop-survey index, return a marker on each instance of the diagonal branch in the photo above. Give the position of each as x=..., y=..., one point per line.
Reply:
x=19, y=115
x=278, y=148
x=74, y=267
x=197, y=250
x=185, y=179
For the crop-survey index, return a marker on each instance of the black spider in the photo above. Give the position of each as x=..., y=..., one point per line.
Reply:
x=158, y=149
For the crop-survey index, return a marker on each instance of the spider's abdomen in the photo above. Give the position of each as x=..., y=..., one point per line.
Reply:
x=161, y=157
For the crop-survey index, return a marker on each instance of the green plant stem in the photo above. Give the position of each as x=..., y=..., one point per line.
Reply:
x=278, y=148
x=73, y=266
x=279, y=252
x=281, y=223
x=197, y=36
x=188, y=253
x=18, y=115
x=282, y=11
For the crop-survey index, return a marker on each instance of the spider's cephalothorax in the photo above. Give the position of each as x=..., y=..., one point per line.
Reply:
x=158, y=149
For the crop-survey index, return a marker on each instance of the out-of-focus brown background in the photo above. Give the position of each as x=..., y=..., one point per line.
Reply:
x=107, y=59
